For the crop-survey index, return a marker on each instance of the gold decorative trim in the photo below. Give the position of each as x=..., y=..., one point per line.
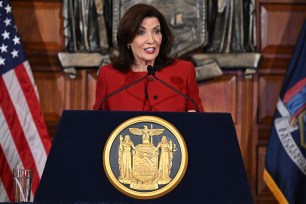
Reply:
x=145, y=168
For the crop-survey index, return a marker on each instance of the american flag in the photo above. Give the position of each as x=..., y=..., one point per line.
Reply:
x=24, y=140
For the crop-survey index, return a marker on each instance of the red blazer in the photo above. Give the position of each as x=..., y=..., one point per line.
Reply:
x=149, y=94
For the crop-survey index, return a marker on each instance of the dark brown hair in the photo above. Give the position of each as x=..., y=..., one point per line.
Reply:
x=127, y=30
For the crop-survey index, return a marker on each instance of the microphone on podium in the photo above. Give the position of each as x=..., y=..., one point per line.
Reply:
x=152, y=70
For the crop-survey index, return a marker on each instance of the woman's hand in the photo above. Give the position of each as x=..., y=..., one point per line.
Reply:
x=191, y=111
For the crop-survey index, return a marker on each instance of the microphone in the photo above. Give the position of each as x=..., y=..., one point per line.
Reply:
x=123, y=88
x=152, y=70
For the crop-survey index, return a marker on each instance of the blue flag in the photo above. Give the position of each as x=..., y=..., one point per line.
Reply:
x=285, y=164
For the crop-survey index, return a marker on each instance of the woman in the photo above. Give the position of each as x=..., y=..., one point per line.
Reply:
x=125, y=162
x=143, y=39
x=165, y=161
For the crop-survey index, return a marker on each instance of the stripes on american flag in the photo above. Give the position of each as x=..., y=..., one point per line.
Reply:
x=24, y=140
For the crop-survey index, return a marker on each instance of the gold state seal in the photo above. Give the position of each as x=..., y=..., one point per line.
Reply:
x=145, y=157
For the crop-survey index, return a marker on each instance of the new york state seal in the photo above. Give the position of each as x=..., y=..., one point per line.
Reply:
x=145, y=157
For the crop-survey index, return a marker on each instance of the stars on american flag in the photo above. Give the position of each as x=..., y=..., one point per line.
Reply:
x=7, y=22
x=5, y=35
x=7, y=8
x=16, y=40
x=3, y=48
x=2, y=61
x=10, y=45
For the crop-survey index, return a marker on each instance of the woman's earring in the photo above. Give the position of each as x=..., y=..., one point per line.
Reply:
x=129, y=46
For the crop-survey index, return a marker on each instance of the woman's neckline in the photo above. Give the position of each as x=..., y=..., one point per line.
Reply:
x=139, y=68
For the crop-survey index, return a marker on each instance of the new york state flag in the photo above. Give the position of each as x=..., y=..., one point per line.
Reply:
x=285, y=164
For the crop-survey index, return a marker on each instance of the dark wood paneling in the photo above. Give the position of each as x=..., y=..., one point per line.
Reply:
x=225, y=89
x=269, y=89
x=261, y=187
x=40, y=27
x=91, y=88
x=279, y=27
x=52, y=96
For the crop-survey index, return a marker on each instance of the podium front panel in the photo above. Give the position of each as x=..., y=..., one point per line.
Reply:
x=74, y=169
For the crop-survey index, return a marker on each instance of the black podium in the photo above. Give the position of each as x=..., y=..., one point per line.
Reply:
x=74, y=169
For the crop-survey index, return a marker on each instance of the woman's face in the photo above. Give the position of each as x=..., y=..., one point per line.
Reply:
x=146, y=44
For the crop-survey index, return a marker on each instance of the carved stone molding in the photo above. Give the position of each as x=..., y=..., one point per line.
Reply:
x=71, y=61
x=245, y=61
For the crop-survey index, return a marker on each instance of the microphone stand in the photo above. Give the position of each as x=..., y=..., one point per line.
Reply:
x=121, y=89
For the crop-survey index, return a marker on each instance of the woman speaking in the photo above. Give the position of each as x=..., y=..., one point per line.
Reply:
x=144, y=42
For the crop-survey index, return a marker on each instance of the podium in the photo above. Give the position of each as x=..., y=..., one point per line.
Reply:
x=74, y=169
